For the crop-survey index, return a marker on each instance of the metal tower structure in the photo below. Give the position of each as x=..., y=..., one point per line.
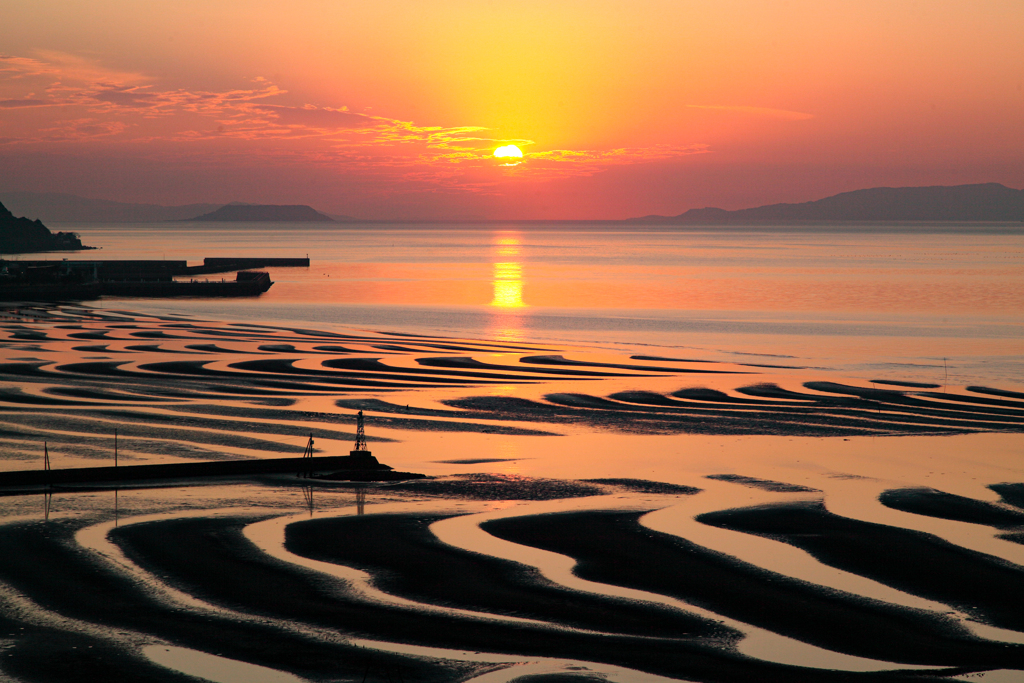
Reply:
x=360, y=433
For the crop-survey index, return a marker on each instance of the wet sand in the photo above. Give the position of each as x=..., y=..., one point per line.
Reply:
x=221, y=404
x=668, y=565
x=197, y=390
x=44, y=564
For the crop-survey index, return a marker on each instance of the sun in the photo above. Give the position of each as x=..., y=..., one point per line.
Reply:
x=508, y=151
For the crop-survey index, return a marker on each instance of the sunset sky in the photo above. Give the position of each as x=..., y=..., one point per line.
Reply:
x=393, y=108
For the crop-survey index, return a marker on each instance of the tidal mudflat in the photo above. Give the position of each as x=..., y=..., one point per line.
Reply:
x=589, y=516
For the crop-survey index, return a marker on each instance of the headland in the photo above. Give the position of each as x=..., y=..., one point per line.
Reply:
x=21, y=235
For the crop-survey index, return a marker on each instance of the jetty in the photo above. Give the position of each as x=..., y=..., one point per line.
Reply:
x=340, y=467
x=246, y=283
x=358, y=466
x=82, y=280
x=228, y=265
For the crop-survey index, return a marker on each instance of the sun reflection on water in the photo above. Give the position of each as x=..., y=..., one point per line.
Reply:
x=508, y=285
x=508, y=288
x=508, y=272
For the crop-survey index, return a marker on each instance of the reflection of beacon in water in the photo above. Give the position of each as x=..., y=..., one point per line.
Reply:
x=508, y=275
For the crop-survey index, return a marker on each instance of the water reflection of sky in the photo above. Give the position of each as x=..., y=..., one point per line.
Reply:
x=505, y=322
x=508, y=272
x=855, y=299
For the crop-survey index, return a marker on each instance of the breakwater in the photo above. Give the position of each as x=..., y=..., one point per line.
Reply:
x=32, y=280
x=101, y=270
x=341, y=467
x=122, y=269
x=246, y=283
x=227, y=265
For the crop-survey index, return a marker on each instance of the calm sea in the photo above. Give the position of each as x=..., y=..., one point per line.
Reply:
x=919, y=303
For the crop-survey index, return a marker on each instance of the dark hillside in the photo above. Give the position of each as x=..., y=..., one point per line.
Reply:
x=21, y=235
x=265, y=213
x=964, y=203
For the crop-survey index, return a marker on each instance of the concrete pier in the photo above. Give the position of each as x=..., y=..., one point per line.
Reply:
x=354, y=469
x=225, y=265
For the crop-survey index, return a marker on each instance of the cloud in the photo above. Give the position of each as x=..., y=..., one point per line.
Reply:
x=566, y=163
x=13, y=67
x=74, y=69
x=319, y=118
x=82, y=100
x=26, y=102
x=82, y=129
x=756, y=111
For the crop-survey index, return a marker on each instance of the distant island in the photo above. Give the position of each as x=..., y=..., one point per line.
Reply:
x=57, y=207
x=21, y=235
x=966, y=203
x=265, y=213
x=987, y=202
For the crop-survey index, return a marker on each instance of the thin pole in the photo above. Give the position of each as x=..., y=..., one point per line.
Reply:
x=115, y=448
x=46, y=467
x=307, y=459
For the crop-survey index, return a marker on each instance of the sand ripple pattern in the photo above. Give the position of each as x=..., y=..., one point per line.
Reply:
x=485, y=577
x=625, y=585
x=187, y=389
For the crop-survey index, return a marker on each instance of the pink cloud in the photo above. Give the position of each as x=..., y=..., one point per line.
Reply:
x=26, y=102
x=82, y=129
x=321, y=118
x=97, y=102
x=756, y=111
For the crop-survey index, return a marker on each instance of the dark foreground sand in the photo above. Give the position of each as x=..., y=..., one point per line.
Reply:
x=665, y=564
x=222, y=566
x=211, y=559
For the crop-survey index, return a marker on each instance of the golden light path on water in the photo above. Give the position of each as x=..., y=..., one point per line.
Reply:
x=508, y=273
x=508, y=288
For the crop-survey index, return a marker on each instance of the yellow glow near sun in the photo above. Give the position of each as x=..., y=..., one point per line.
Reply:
x=508, y=151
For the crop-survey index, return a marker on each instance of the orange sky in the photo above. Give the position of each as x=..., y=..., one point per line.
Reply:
x=391, y=109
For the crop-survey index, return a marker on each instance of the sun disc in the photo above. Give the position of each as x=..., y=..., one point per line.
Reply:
x=508, y=151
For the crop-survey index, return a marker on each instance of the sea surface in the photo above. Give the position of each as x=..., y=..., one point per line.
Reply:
x=789, y=454
x=922, y=302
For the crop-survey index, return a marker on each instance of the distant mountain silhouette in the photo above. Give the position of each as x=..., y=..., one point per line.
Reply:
x=265, y=213
x=21, y=235
x=984, y=202
x=342, y=218
x=54, y=207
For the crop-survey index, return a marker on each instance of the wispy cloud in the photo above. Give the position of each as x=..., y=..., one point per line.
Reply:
x=25, y=102
x=756, y=111
x=82, y=129
x=82, y=100
x=13, y=67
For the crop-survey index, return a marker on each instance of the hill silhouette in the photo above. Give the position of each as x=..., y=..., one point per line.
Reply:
x=967, y=203
x=56, y=207
x=265, y=213
x=21, y=235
